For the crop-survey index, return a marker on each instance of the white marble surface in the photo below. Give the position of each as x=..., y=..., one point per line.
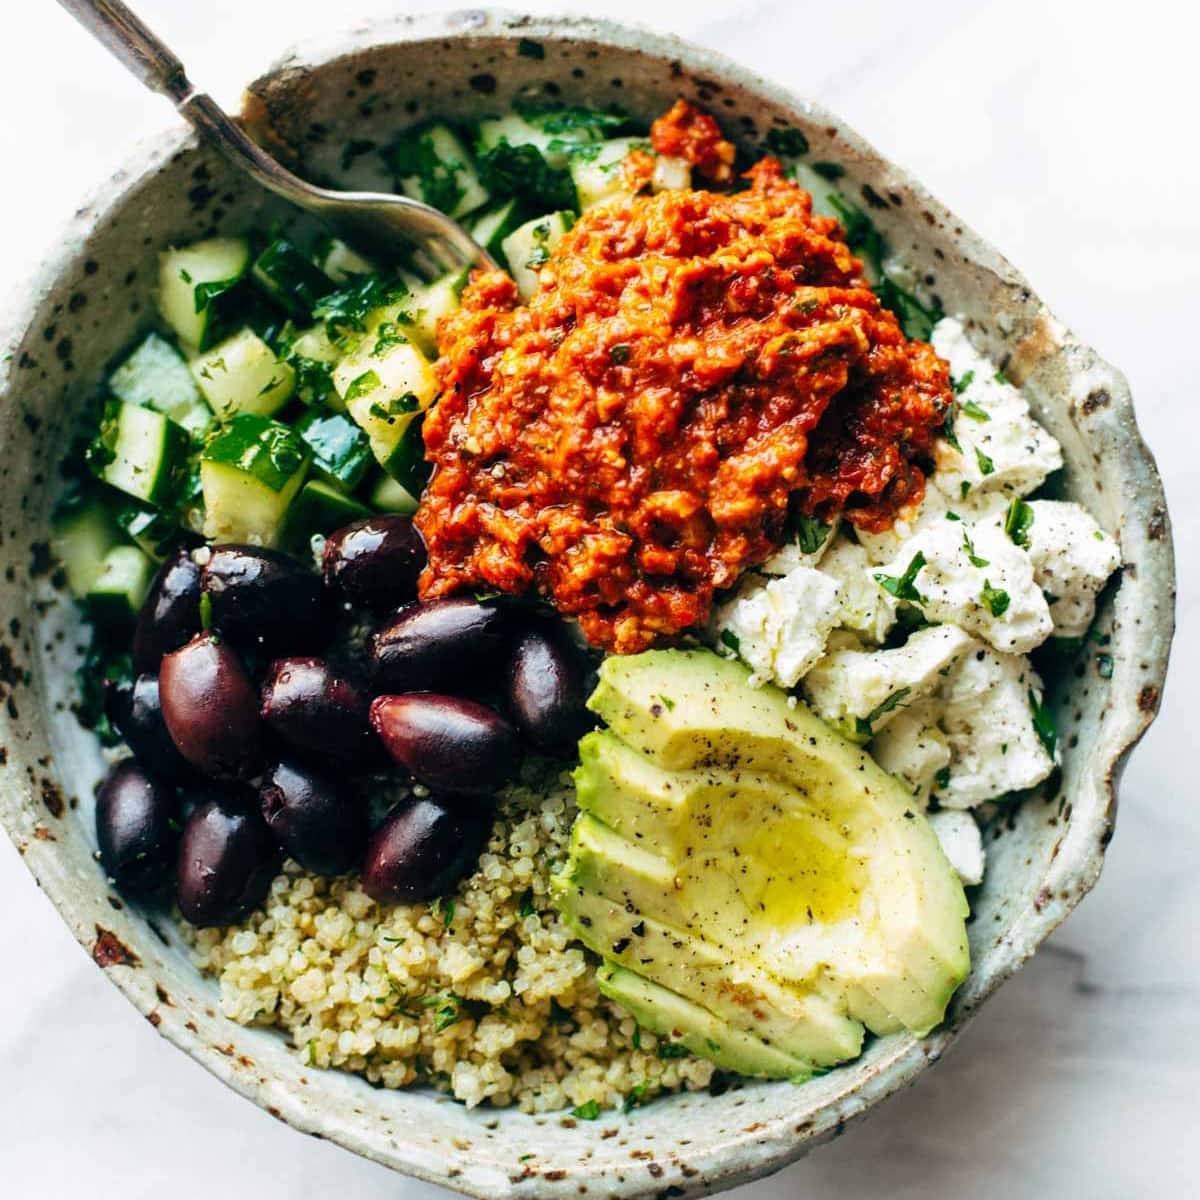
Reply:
x=1064, y=132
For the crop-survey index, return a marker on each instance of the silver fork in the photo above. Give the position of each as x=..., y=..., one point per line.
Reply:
x=374, y=222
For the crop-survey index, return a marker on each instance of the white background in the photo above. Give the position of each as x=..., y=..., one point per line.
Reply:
x=1064, y=133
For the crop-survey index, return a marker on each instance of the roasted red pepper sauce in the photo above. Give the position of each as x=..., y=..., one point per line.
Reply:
x=693, y=366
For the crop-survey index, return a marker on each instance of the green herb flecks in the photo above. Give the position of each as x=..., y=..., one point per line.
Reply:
x=810, y=534
x=206, y=610
x=970, y=409
x=588, y=1111
x=348, y=307
x=730, y=639
x=671, y=1049
x=1043, y=724
x=1018, y=521
x=414, y=156
x=522, y=171
x=362, y=385
x=904, y=587
x=619, y=353
x=961, y=385
x=986, y=466
x=969, y=547
x=1104, y=665
x=995, y=600
x=866, y=725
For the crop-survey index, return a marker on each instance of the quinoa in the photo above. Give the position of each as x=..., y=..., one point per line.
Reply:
x=483, y=994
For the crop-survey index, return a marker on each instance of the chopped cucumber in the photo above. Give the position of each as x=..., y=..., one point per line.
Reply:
x=312, y=356
x=156, y=376
x=289, y=278
x=818, y=187
x=193, y=286
x=494, y=224
x=149, y=528
x=341, y=450
x=428, y=304
x=390, y=495
x=320, y=509
x=433, y=165
x=242, y=375
x=514, y=130
x=82, y=537
x=528, y=248
x=250, y=473
x=140, y=452
x=598, y=177
x=119, y=589
x=340, y=262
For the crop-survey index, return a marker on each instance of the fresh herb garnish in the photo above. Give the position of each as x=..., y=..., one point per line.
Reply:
x=942, y=778
x=904, y=586
x=1043, y=724
x=362, y=385
x=865, y=725
x=526, y=908
x=986, y=466
x=730, y=639
x=635, y=1096
x=969, y=547
x=588, y=1111
x=619, y=353
x=996, y=600
x=672, y=1050
x=414, y=156
x=522, y=171
x=971, y=409
x=206, y=612
x=1018, y=521
x=810, y=534
x=348, y=307
x=961, y=385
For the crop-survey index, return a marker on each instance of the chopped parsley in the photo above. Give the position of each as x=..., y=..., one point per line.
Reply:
x=387, y=337
x=619, y=353
x=206, y=612
x=730, y=639
x=986, y=466
x=635, y=1096
x=996, y=600
x=362, y=385
x=1017, y=521
x=522, y=171
x=961, y=385
x=969, y=547
x=904, y=586
x=810, y=534
x=1043, y=724
x=672, y=1050
x=970, y=409
x=348, y=307
x=947, y=430
x=588, y=1111
x=414, y=156
x=942, y=778
x=526, y=908
x=865, y=725
x=667, y=703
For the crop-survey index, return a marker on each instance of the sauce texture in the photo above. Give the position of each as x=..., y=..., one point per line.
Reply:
x=694, y=368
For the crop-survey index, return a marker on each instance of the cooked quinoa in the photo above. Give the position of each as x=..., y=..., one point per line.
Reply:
x=483, y=995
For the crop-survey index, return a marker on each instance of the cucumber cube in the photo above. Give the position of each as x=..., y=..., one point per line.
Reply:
x=494, y=224
x=318, y=510
x=82, y=537
x=340, y=262
x=193, y=287
x=433, y=165
x=153, y=531
x=312, y=354
x=156, y=376
x=428, y=304
x=119, y=589
x=140, y=452
x=598, y=176
x=242, y=375
x=389, y=495
x=289, y=278
x=341, y=450
x=250, y=473
x=528, y=248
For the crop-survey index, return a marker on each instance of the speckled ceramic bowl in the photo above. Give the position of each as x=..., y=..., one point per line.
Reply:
x=97, y=293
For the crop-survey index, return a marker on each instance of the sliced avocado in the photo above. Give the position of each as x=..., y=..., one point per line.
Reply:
x=729, y=835
x=668, y=1015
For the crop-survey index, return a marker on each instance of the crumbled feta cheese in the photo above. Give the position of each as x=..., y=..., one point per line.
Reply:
x=988, y=722
x=864, y=607
x=1001, y=448
x=961, y=842
x=806, y=547
x=971, y=574
x=862, y=690
x=780, y=626
x=975, y=506
x=913, y=748
x=1072, y=559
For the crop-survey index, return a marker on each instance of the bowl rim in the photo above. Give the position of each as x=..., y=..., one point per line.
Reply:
x=755, y=1152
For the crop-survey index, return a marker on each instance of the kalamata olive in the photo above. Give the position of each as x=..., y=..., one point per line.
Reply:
x=262, y=597
x=170, y=614
x=135, y=710
x=447, y=743
x=423, y=847
x=210, y=707
x=321, y=827
x=137, y=828
x=547, y=688
x=227, y=858
x=374, y=563
x=438, y=643
x=316, y=711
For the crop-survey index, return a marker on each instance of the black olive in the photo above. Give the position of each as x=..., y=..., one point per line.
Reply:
x=422, y=849
x=137, y=828
x=170, y=614
x=263, y=598
x=227, y=858
x=317, y=711
x=439, y=644
x=313, y=819
x=447, y=743
x=374, y=563
x=547, y=688
x=135, y=710
x=210, y=707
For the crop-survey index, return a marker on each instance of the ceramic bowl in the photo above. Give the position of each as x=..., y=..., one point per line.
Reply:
x=97, y=294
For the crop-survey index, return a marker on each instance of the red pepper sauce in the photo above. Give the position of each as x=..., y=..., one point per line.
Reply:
x=693, y=366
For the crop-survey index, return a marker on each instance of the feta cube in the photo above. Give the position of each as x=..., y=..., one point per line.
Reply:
x=971, y=575
x=975, y=506
x=1072, y=559
x=864, y=606
x=913, y=748
x=780, y=626
x=861, y=691
x=1001, y=448
x=987, y=717
x=961, y=843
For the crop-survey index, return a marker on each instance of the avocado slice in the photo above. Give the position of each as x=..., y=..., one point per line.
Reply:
x=738, y=853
